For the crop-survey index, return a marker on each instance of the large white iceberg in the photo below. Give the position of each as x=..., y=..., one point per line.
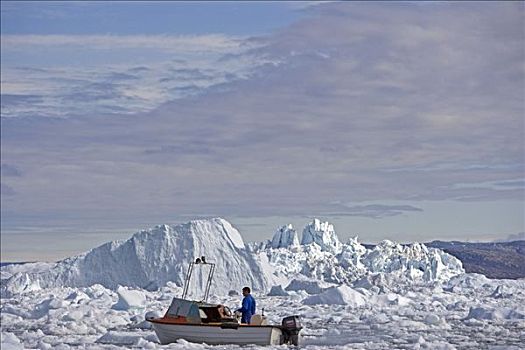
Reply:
x=151, y=258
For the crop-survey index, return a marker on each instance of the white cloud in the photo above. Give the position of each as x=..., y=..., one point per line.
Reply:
x=187, y=43
x=375, y=210
x=120, y=81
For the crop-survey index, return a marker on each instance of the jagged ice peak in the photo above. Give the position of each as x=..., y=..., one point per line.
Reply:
x=323, y=234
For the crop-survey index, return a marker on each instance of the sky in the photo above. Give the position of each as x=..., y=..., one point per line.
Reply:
x=391, y=120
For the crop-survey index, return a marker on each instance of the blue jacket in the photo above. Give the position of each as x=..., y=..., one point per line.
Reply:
x=247, y=309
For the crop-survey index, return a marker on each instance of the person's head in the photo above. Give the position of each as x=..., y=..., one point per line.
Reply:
x=246, y=291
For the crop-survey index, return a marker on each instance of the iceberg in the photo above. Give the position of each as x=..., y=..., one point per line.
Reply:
x=322, y=234
x=151, y=259
x=285, y=237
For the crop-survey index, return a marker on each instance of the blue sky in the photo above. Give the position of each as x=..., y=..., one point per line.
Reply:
x=391, y=120
x=147, y=18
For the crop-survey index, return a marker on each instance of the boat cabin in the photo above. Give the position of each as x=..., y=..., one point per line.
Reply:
x=186, y=311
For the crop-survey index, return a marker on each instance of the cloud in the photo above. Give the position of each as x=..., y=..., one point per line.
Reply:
x=368, y=102
x=6, y=190
x=511, y=184
x=139, y=74
x=170, y=43
x=183, y=149
x=494, y=185
x=10, y=170
x=375, y=211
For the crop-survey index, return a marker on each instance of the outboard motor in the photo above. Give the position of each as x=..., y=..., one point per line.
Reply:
x=291, y=326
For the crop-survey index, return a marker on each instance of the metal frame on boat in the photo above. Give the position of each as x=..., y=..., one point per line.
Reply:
x=199, y=261
x=202, y=322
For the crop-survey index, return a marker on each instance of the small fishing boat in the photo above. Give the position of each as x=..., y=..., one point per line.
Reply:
x=214, y=324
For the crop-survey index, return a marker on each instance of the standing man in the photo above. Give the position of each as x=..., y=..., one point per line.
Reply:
x=248, y=306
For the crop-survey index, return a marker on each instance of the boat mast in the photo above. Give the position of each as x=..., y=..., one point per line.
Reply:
x=187, y=281
x=198, y=261
x=208, y=284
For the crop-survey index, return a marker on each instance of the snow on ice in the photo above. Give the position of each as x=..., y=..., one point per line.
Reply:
x=389, y=297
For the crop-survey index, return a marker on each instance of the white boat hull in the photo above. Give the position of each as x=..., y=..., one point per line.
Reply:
x=215, y=335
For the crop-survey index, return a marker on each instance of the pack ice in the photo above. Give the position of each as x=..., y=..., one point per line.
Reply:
x=351, y=297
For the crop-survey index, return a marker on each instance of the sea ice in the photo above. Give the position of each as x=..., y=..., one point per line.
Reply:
x=10, y=341
x=309, y=286
x=277, y=291
x=389, y=297
x=342, y=295
x=432, y=319
x=501, y=313
x=129, y=299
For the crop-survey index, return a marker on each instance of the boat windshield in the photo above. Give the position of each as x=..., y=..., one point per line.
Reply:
x=196, y=312
x=184, y=308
